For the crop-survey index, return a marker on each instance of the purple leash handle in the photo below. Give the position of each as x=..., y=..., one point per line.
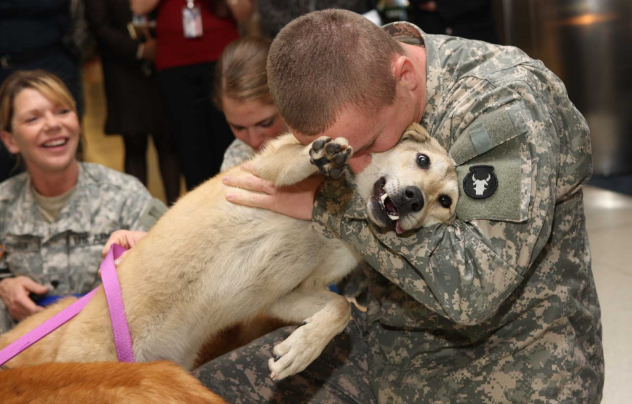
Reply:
x=114, y=297
x=120, y=329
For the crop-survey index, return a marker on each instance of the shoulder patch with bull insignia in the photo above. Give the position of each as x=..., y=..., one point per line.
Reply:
x=480, y=182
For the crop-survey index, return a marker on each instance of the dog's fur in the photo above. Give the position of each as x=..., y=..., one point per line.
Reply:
x=209, y=264
x=103, y=383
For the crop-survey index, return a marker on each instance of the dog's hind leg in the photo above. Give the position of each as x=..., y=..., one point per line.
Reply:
x=285, y=161
x=324, y=315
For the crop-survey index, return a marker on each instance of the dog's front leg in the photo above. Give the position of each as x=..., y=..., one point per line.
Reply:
x=323, y=314
x=286, y=162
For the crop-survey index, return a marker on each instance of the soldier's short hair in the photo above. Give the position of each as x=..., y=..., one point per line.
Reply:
x=46, y=83
x=328, y=60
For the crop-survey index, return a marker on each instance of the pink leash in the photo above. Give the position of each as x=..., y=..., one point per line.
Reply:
x=114, y=298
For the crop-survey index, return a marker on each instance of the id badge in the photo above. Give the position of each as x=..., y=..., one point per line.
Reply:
x=192, y=21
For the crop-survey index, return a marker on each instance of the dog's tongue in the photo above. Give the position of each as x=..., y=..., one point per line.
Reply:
x=398, y=229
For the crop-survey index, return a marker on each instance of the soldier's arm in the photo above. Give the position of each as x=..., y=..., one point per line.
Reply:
x=465, y=271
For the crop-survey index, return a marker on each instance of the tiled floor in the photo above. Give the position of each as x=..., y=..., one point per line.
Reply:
x=609, y=226
x=609, y=217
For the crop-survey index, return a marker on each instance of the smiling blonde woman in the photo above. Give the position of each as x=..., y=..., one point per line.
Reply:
x=56, y=216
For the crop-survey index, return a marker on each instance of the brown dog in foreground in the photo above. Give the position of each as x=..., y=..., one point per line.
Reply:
x=103, y=383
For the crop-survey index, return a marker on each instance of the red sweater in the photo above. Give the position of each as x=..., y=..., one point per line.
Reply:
x=173, y=49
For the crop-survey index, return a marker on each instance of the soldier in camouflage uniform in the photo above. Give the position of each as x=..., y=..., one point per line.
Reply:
x=501, y=306
x=55, y=242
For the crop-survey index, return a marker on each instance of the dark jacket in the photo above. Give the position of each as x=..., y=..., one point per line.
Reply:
x=32, y=25
x=133, y=100
x=472, y=19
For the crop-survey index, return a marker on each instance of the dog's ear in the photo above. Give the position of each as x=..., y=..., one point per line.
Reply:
x=415, y=133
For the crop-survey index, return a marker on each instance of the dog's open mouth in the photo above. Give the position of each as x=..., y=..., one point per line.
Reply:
x=388, y=210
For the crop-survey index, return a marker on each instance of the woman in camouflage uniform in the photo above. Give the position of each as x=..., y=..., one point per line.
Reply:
x=55, y=218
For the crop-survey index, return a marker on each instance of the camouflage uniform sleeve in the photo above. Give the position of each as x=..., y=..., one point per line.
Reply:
x=464, y=271
x=237, y=153
x=140, y=210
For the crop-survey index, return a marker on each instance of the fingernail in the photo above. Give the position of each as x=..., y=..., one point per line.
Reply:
x=117, y=261
x=226, y=179
x=273, y=375
x=229, y=196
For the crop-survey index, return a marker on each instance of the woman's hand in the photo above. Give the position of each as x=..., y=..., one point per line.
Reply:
x=295, y=201
x=125, y=238
x=15, y=296
x=240, y=9
x=142, y=7
x=149, y=47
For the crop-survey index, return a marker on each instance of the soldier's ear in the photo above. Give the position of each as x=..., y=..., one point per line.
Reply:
x=9, y=142
x=416, y=133
x=405, y=75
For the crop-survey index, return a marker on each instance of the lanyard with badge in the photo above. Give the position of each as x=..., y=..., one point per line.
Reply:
x=192, y=20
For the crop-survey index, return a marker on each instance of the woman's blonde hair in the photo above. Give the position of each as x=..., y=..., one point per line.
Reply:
x=241, y=74
x=46, y=83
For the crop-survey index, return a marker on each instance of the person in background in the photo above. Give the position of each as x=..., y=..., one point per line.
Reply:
x=473, y=19
x=190, y=37
x=35, y=34
x=241, y=92
x=134, y=105
x=275, y=14
x=56, y=216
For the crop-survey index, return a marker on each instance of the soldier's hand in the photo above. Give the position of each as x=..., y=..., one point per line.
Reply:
x=15, y=296
x=125, y=238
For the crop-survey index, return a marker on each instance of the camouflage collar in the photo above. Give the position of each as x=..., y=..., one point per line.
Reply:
x=411, y=34
x=405, y=32
x=28, y=220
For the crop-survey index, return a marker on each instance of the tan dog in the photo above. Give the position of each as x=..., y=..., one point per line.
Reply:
x=209, y=264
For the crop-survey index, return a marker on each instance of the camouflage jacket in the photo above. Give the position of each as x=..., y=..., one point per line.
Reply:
x=501, y=306
x=66, y=254
x=237, y=153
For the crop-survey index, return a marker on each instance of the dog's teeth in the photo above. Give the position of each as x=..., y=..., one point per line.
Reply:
x=383, y=197
x=393, y=217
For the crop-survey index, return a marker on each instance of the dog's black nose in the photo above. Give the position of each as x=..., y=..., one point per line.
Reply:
x=412, y=200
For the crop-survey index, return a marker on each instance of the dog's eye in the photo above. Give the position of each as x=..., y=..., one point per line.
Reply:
x=445, y=201
x=423, y=161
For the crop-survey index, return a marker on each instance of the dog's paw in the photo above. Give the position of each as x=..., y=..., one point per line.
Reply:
x=297, y=351
x=330, y=155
